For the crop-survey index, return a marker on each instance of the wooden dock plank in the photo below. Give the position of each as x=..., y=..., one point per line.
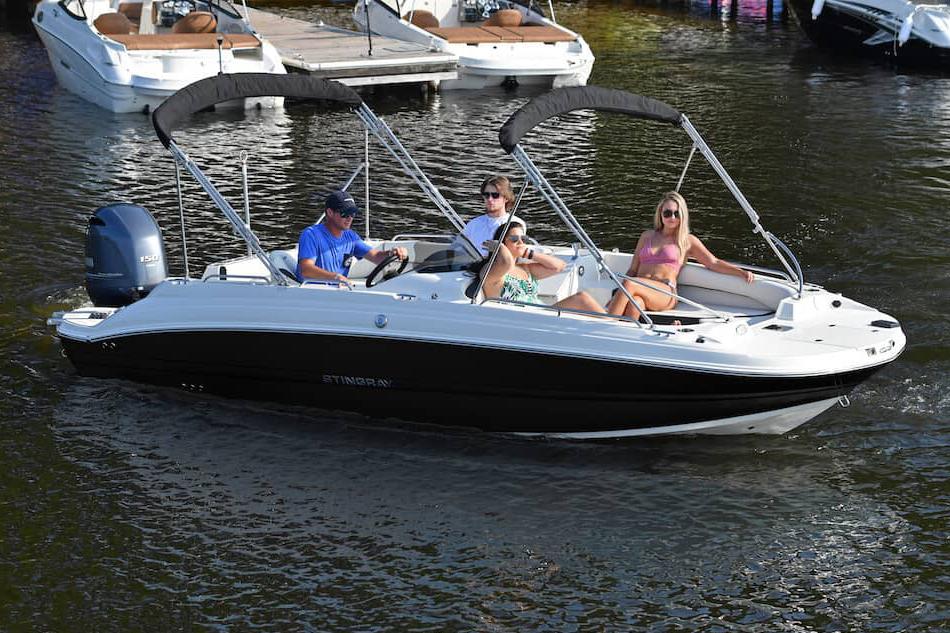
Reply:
x=335, y=53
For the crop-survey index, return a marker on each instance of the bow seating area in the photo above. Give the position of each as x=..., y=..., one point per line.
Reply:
x=502, y=26
x=185, y=41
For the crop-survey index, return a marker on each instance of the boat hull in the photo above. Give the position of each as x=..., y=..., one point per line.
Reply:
x=847, y=32
x=476, y=75
x=463, y=385
x=492, y=64
x=104, y=74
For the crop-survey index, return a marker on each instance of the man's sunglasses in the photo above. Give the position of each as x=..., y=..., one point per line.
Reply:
x=347, y=213
x=494, y=195
x=670, y=213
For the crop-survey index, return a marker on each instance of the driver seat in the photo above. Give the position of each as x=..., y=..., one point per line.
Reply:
x=286, y=263
x=114, y=24
x=504, y=17
x=422, y=19
x=196, y=22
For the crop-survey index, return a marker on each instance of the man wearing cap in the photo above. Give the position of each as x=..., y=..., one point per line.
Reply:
x=324, y=250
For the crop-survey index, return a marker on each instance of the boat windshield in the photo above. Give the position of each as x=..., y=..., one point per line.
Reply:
x=469, y=10
x=440, y=253
x=225, y=7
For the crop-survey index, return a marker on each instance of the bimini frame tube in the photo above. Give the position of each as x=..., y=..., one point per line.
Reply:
x=240, y=228
x=689, y=159
x=346, y=187
x=562, y=210
x=553, y=199
x=181, y=215
x=707, y=153
x=385, y=135
x=212, y=90
x=565, y=100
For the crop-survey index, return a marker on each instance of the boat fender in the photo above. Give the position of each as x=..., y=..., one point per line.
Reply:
x=906, y=28
x=816, y=8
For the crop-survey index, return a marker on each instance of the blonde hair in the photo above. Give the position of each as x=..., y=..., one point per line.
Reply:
x=682, y=233
x=503, y=185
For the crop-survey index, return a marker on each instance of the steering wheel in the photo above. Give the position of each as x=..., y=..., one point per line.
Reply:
x=180, y=7
x=173, y=10
x=385, y=270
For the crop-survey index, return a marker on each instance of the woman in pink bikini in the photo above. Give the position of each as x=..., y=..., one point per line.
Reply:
x=660, y=254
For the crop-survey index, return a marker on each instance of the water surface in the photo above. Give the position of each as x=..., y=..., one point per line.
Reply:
x=127, y=507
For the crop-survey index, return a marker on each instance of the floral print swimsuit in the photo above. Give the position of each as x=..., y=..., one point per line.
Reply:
x=517, y=289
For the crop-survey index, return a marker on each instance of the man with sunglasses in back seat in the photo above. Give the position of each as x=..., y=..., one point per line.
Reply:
x=499, y=199
x=325, y=250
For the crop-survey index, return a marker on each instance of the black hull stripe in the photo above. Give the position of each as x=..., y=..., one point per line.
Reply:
x=495, y=390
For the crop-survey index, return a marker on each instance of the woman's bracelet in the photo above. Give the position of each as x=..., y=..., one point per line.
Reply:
x=530, y=254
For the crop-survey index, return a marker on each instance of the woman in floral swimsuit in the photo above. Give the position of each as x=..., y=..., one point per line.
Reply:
x=514, y=275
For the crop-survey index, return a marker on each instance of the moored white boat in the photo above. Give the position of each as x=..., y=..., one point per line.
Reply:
x=902, y=32
x=498, y=42
x=425, y=345
x=129, y=56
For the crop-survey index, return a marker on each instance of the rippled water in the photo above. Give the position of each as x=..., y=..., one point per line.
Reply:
x=126, y=507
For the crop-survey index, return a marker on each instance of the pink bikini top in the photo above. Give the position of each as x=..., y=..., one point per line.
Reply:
x=669, y=254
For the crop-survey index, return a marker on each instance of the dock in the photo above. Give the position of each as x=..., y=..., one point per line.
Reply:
x=336, y=53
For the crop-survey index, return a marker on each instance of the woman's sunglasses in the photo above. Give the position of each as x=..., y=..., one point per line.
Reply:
x=494, y=195
x=670, y=213
x=515, y=239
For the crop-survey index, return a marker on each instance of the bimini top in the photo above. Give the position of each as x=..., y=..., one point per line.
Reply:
x=207, y=92
x=565, y=100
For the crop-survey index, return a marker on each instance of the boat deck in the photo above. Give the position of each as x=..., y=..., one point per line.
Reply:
x=336, y=53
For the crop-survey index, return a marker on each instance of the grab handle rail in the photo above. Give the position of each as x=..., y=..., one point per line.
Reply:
x=232, y=277
x=766, y=271
x=560, y=309
x=440, y=238
x=798, y=269
x=327, y=282
x=680, y=299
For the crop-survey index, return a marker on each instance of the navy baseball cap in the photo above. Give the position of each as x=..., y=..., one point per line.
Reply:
x=342, y=203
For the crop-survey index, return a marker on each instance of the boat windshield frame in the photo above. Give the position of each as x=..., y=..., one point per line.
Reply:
x=226, y=7
x=205, y=93
x=66, y=4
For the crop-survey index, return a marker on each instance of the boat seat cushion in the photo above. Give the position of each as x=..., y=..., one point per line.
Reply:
x=286, y=262
x=422, y=19
x=503, y=34
x=114, y=24
x=186, y=41
x=504, y=17
x=195, y=22
x=131, y=10
x=546, y=34
x=465, y=35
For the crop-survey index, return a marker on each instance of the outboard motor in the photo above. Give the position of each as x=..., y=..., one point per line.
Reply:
x=125, y=255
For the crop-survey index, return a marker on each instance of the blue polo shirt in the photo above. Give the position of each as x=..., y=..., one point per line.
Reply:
x=329, y=252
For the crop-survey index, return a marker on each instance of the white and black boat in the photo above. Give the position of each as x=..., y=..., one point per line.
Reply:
x=911, y=33
x=498, y=42
x=425, y=345
x=130, y=55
